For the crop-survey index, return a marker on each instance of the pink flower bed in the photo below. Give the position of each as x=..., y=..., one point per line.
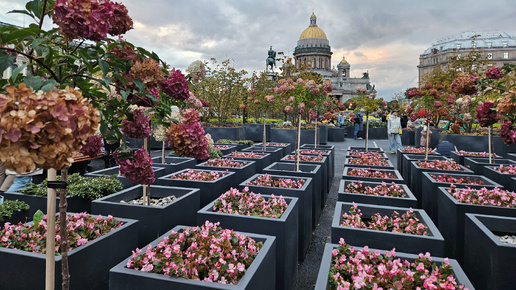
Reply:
x=222, y=147
x=366, y=154
x=246, y=154
x=308, y=158
x=368, y=161
x=484, y=196
x=440, y=164
x=269, y=181
x=393, y=190
x=450, y=179
x=246, y=202
x=225, y=162
x=506, y=169
x=370, y=173
x=416, y=150
x=81, y=227
x=206, y=253
x=364, y=269
x=475, y=154
x=313, y=151
x=198, y=175
x=407, y=223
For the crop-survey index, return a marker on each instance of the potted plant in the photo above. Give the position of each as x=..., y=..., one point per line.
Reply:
x=380, y=193
x=477, y=165
x=275, y=152
x=314, y=160
x=173, y=164
x=261, y=159
x=320, y=151
x=261, y=214
x=459, y=156
x=287, y=147
x=13, y=212
x=386, y=227
x=372, y=174
x=502, y=174
x=249, y=261
x=368, y=162
x=225, y=149
x=243, y=169
x=126, y=182
x=410, y=150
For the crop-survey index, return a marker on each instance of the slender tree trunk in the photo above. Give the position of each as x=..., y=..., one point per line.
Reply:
x=51, y=232
x=427, y=140
x=316, y=141
x=163, y=153
x=146, y=199
x=367, y=132
x=298, y=141
x=63, y=204
x=490, y=141
x=264, y=139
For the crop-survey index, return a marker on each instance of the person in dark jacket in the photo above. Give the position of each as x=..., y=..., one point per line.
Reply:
x=404, y=121
x=445, y=147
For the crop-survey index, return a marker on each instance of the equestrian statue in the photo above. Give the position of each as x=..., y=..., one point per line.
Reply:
x=271, y=60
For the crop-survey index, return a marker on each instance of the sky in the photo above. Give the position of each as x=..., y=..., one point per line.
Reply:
x=383, y=37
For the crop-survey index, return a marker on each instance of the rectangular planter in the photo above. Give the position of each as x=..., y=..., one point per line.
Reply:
x=399, y=160
x=209, y=190
x=225, y=149
x=158, y=172
x=285, y=229
x=173, y=164
x=416, y=176
x=358, y=148
x=241, y=173
x=409, y=200
x=255, y=132
x=502, y=178
x=238, y=146
x=331, y=148
x=325, y=177
x=307, y=135
x=377, y=133
x=477, y=164
x=260, y=163
x=511, y=156
x=408, y=138
x=389, y=166
x=398, y=178
x=480, y=144
x=305, y=170
x=75, y=203
x=459, y=158
x=324, y=152
x=231, y=133
x=337, y=134
x=276, y=153
x=322, y=278
x=434, y=243
x=304, y=196
x=261, y=274
x=488, y=261
x=407, y=158
x=88, y=264
x=153, y=220
x=451, y=214
x=286, y=147
x=430, y=190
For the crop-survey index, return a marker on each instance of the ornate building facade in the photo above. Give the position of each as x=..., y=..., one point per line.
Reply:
x=313, y=51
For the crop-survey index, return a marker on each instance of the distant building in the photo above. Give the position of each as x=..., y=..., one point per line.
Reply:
x=313, y=50
x=497, y=47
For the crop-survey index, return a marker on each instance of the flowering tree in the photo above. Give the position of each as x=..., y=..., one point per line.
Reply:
x=370, y=104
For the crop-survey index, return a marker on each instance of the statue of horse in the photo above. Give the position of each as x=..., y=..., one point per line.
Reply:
x=271, y=60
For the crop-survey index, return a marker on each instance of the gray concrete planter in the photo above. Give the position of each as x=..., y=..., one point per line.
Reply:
x=324, y=152
x=322, y=278
x=409, y=200
x=389, y=164
x=261, y=274
x=400, y=157
x=416, y=176
x=209, y=190
x=487, y=260
x=287, y=147
x=480, y=144
x=377, y=133
x=398, y=179
x=260, y=163
x=408, y=138
x=241, y=173
x=153, y=220
x=325, y=176
x=503, y=178
x=511, y=156
x=305, y=170
x=407, y=158
x=451, y=214
x=173, y=164
x=88, y=264
x=459, y=158
x=336, y=134
x=158, y=172
x=238, y=146
x=229, y=149
x=276, y=153
x=307, y=135
x=324, y=147
x=430, y=189
x=75, y=203
x=255, y=132
x=304, y=196
x=231, y=133
x=477, y=164
x=283, y=228
x=369, y=148
x=433, y=243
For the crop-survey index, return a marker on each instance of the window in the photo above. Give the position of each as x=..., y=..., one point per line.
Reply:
x=490, y=56
x=504, y=44
x=489, y=44
x=473, y=44
x=457, y=45
x=505, y=55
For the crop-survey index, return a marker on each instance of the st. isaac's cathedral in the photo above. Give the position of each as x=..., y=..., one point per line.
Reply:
x=314, y=51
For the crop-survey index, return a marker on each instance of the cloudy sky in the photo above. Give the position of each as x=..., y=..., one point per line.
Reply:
x=384, y=37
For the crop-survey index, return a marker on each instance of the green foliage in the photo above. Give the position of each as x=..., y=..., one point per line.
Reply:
x=38, y=216
x=377, y=124
x=11, y=206
x=85, y=187
x=215, y=153
x=229, y=141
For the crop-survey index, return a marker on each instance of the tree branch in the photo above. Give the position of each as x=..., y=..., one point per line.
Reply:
x=52, y=73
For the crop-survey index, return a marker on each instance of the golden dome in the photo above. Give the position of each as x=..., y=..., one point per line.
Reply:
x=344, y=61
x=313, y=30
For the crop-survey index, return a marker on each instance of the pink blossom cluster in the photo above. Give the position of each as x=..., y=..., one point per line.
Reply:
x=484, y=196
x=199, y=175
x=475, y=154
x=368, y=161
x=506, y=169
x=136, y=125
x=93, y=146
x=176, y=85
x=313, y=151
x=225, y=162
x=269, y=181
x=365, y=154
x=248, y=203
x=464, y=84
x=188, y=138
x=365, y=269
x=371, y=173
x=393, y=190
x=507, y=132
x=450, y=179
x=416, y=150
x=91, y=19
x=138, y=168
x=222, y=147
x=206, y=253
x=246, y=154
x=407, y=223
x=494, y=73
x=486, y=114
x=440, y=165
x=81, y=228
x=306, y=158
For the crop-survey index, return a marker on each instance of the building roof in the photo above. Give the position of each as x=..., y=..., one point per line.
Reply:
x=477, y=40
x=313, y=31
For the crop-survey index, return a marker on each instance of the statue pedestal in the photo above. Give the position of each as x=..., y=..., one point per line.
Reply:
x=271, y=75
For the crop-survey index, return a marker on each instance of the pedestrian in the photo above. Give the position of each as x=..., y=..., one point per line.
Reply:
x=341, y=119
x=404, y=121
x=444, y=147
x=422, y=141
x=385, y=117
x=359, y=123
x=109, y=150
x=15, y=181
x=394, y=131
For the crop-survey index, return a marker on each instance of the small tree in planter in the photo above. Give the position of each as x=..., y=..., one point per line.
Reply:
x=370, y=104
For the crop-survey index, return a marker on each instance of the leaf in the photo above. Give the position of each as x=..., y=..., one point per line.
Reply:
x=23, y=12
x=104, y=66
x=6, y=60
x=49, y=85
x=17, y=71
x=38, y=216
x=34, y=82
x=139, y=84
x=20, y=34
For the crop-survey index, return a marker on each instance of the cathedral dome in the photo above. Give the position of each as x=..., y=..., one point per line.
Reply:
x=313, y=30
